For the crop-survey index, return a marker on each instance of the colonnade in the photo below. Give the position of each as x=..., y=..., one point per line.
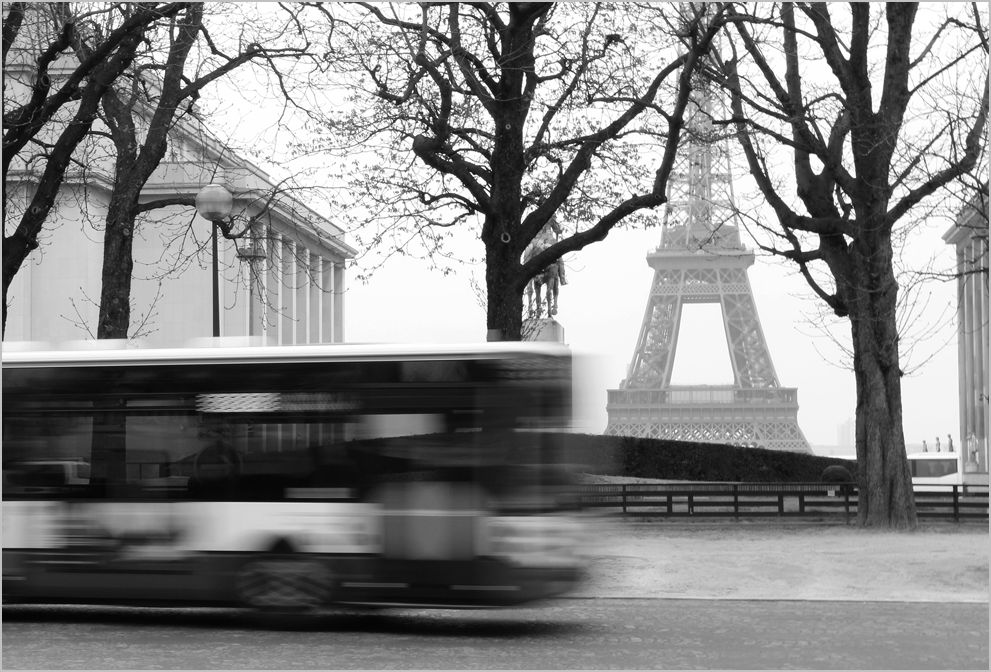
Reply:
x=297, y=294
x=970, y=236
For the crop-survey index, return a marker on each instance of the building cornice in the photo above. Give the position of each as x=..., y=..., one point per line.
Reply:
x=288, y=215
x=971, y=223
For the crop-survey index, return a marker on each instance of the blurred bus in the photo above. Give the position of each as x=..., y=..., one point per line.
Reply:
x=289, y=478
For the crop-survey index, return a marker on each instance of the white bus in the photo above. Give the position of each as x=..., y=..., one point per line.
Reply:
x=289, y=478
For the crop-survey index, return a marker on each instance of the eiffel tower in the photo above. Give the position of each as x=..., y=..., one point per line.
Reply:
x=701, y=259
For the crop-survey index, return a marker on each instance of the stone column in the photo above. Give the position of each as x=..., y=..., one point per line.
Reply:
x=273, y=281
x=963, y=384
x=327, y=302
x=314, y=314
x=256, y=288
x=302, y=264
x=339, y=290
x=979, y=340
x=287, y=304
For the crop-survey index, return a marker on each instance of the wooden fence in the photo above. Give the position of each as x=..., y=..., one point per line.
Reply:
x=747, y=500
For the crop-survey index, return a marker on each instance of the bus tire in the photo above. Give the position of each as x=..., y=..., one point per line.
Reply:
x=283, y=582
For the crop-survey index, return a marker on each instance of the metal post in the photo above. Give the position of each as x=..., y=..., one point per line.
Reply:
x=624, y=498
x=216, y=287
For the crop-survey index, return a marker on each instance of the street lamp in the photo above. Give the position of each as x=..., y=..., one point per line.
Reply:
x=215, y=203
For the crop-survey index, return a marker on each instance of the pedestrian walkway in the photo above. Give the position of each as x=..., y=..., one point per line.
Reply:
x=754, y=561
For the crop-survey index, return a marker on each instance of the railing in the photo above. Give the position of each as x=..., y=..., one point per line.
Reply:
x=715, y=395
x=746, y=500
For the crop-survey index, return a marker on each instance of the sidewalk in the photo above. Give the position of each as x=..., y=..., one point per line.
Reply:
x=942, y=562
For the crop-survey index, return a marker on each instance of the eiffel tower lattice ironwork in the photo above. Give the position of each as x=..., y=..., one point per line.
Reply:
x=701, y=259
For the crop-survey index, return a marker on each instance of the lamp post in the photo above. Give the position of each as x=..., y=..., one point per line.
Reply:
x=214, y=203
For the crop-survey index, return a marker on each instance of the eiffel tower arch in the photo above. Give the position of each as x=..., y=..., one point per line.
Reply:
x=701, y=259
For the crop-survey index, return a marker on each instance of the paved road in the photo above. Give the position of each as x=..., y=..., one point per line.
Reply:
x=567, y=634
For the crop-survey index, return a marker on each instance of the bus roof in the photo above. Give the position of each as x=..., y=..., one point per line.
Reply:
x=223, y=353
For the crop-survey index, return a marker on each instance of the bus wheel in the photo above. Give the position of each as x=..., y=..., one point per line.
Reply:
x=283, y=583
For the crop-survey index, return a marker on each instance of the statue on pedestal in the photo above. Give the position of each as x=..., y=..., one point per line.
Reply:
x=552, y=277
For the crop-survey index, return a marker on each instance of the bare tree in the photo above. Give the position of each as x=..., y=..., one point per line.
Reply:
x=856, y=100
x=144, y=108
x=46, y=117
x=501, y=117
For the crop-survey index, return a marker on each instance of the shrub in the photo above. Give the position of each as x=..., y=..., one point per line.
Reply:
x=836, y=473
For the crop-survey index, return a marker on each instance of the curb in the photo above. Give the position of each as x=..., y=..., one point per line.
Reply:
x=684, y=598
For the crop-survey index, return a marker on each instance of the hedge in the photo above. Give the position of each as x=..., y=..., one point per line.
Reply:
x=688, y=461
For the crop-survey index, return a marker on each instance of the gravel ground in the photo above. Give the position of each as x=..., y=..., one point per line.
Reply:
x=942, y=562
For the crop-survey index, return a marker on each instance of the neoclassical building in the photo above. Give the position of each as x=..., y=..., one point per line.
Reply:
x=284, y=283
x=970, y=236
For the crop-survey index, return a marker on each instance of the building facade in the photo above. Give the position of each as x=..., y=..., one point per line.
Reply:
x=970, y=237
x=282, y=283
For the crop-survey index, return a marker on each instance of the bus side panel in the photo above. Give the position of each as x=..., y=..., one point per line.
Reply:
x=166, y=551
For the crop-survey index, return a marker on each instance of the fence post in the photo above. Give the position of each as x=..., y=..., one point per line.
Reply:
x=781, y=505
x=846, y=504
x=624, y=498
x=670, y=505
x=801, y=502
x=736, y=501
x=691, y=504
x=956, y=504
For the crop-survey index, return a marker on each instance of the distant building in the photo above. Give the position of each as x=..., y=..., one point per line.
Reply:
x=970, y=236
x=284, y=283
x=846, y=435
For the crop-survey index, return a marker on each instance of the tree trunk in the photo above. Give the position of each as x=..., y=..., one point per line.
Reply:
x=504, y=318
x=115, y=295
x=886, y=498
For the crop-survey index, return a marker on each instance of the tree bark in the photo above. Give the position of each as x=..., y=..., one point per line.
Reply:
x=118, y=264
x=504, y=305
x=886, y=497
